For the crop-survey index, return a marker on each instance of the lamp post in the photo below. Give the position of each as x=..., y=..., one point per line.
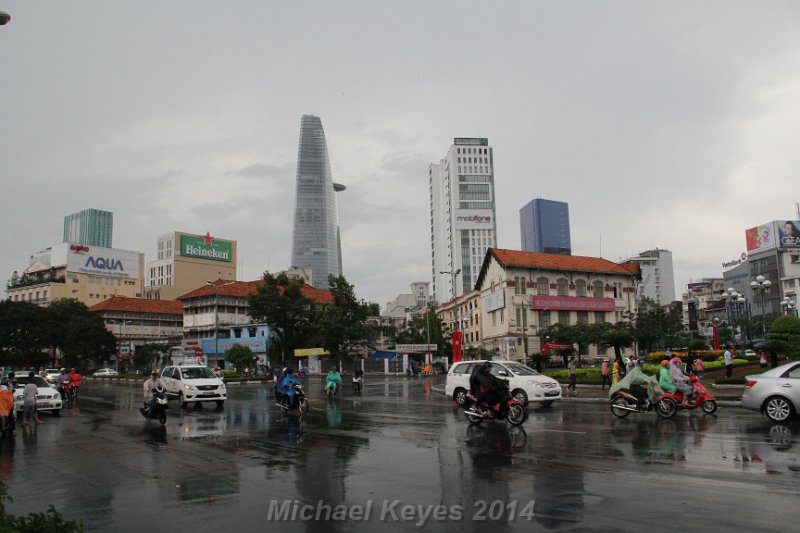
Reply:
x=789, y=306
x=715, y=326
x=760, y=286
x=4, y=18
x=121, y=330
x=453, y=274
x=734, y=307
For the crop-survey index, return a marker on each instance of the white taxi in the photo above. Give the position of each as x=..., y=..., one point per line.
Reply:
x=193, y=383
x=47, y=398
x=525, y=383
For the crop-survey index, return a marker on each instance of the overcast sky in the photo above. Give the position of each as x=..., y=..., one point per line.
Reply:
x=662, y=124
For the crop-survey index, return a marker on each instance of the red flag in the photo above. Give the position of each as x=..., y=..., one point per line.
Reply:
x=456, y=346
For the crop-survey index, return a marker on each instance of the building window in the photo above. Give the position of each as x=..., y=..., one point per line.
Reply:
x=562, y=287
x=544, y=318
x=599, y=317
x=543, y=286
x=583, y=317
x=580, y=288
x=563, y=317
x=598, y=289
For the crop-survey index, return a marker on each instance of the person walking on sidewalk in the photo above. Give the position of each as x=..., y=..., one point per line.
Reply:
x=604, y=374
x=573, y=374
x=728, y=363
x=698, y=368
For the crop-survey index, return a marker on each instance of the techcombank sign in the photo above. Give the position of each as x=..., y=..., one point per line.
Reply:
x=102, y=261
x=206, y=247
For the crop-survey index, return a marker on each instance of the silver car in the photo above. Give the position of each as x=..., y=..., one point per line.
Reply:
x=775, y=393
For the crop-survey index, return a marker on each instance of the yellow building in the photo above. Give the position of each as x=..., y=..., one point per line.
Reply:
x=186, y=261
x=89, y=274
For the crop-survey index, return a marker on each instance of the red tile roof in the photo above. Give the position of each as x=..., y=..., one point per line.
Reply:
x=139, y=305
x=574, y=263
x=241, y=289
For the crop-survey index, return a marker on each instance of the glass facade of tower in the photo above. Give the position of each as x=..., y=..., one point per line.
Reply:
x=90, y=226
x=544, y=227
x=316, y=240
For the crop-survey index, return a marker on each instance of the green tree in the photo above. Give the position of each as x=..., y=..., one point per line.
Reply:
x=562, y=334
x=426, y=329
x=149, y=355
x=342, y=327
x=784, y=337
x=22, y=334
x=280, y=303
x=654, y=327
x=617, y=338
x=239, y=356
x=80, y=334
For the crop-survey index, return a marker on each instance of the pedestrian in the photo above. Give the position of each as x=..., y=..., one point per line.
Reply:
x=698, y=367
x=617, y=371
x=573, y=374
x=762, y=358
x=9, y=385
x=604, y=378
x=728, y=363
x=29, y=401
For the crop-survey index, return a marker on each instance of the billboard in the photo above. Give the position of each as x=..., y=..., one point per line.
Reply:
x=761, y=238
x=206, y=247
x=788, y=233
x=699, y=286
x=256, y=344
x=572, y=303
x=103, y=261
x=495, y=300
x=474, y=219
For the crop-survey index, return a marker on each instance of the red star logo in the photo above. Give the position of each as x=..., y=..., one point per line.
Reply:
x=208, y=240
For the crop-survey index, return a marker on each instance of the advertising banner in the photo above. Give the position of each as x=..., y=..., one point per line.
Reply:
x=788, y=233
x=572, y=303
x=495, y=300
x=474, y=219
x=411, y=348
x=761, y=238
x=206, y=247
x=699, y=286
x=102, y=261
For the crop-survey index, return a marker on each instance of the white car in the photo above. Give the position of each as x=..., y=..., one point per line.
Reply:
x=193, y=383
x=47, y=398
x=525, y=383
x=750, y=353
x=105, y=372
x=52, y=374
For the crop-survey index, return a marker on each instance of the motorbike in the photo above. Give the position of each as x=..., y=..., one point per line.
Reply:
x=358, y=384
x=332, y=391
x=300, y=403
x=624, y=402
x=702, y=398
x=159, y=411
x=66, y=390
x=515, y=412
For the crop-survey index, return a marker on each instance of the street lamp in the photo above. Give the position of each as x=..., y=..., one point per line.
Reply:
x=4, y=18
x=760, y=286
x=453, y=274
x=789, y=306
x=122, y=324
x=715, y=326
x=735, y=304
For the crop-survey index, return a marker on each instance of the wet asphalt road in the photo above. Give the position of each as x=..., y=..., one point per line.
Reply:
x=573, y=466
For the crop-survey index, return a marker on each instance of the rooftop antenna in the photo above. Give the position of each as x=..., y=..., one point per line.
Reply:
x=797, y=209
x=601, y=243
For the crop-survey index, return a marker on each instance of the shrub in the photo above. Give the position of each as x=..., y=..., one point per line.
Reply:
x=49, y=522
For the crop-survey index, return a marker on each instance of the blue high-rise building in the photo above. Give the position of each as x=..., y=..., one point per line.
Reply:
x=316, y=241
x=544, y=227
x=90, y=226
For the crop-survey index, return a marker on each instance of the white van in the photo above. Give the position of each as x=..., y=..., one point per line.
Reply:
x=525, y=383
x=193, y=383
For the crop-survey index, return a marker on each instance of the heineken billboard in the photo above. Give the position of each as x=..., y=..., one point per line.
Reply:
x=206, y=247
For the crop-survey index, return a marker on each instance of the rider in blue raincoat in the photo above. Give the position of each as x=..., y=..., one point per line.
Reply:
x=286, y=387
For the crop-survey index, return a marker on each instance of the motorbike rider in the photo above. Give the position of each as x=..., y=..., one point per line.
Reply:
x=665, y=379
x=489, y=388
x=149, y=386
x=358, y=377
x=286, y=388
x=75, y=381
x=63, y=382
x=681, y=380
x=639, y=383
x=333, y=379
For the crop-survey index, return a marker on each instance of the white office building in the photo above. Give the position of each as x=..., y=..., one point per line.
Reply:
x=463, y=223
x=658, y=279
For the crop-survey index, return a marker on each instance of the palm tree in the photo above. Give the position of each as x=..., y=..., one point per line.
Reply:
x=618, y=339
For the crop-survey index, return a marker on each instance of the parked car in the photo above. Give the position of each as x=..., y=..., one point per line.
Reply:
x=47, y=397
x=193, y=383
x=749, y=353
x=775, y=393
x=105, y=372
x=525, y=383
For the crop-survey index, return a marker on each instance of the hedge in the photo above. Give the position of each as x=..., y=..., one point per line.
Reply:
x=591, y=376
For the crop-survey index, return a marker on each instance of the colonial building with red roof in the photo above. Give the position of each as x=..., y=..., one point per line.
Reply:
x=521, y=293
x=211, y=311
x=138, y=321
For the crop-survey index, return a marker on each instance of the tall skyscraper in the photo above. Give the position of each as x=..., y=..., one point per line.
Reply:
x=316, y=241
x=463, y=224
x=544, y=227
x=90, y=226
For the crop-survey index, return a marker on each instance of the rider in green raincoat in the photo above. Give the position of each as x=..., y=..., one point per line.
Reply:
x=637, y=377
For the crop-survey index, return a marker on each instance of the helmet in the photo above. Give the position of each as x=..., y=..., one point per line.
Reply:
x=63, y=370
x=154, y=372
